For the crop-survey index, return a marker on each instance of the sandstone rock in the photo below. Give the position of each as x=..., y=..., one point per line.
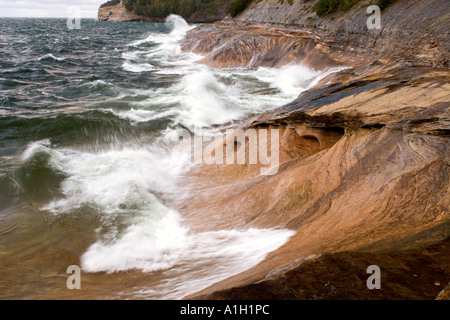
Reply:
x=118, y=12
x=445, y=293
x=252, y=46
x=364, y=165
x=415, y=29
x=271, y=33
x=364, y=155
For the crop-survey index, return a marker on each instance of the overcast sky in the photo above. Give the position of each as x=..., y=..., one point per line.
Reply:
x=48, y=8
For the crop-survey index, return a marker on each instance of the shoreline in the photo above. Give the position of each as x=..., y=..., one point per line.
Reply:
x=365, y=153
x=349, y=123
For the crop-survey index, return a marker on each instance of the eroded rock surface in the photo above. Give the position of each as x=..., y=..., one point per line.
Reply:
x=254, y=45
x=364, y=155
x=364, y=163
x=272, y=33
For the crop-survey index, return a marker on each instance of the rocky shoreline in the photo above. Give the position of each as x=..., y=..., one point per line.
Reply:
x=116, y=11
x=364, y=175
x=365, y=154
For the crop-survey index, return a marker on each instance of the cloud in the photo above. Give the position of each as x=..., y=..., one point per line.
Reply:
x=48, y=8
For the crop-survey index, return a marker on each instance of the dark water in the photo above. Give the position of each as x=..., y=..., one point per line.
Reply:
x=84, y=164
x=53, y=79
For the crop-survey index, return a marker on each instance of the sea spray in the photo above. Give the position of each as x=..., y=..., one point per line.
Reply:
x=139, y=232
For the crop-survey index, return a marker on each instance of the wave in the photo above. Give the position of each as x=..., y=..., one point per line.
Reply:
x=96, y=87
x=132, y=67
x=187, y=258
x=141, y=115
x=113, y=181
x=50, y=57
x=96, y=129
x=164, y=52
x=204, y=97
x=99, y=84
x=51, y=95
x=138, y=231
x=204, y=100
x=178, y=27
x=293, y=79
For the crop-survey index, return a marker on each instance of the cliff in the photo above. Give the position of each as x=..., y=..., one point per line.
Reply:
x=364, y=174
x=118, y=12
x=413, y=31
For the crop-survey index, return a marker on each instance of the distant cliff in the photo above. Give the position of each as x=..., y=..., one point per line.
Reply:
x=115, y=11
x=157, y=10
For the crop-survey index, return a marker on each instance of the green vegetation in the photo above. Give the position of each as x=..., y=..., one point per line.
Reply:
x=324, y=7
x=110, y=3
x=185, y=8
x=237, y=6
x=291, y=2
x=384, y=3
x=199, y=9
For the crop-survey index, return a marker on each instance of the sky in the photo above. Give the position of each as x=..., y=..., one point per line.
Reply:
x=48, y=8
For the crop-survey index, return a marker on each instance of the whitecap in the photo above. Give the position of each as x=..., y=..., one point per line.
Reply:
x=50, y=57
x=137, y=67
x=140, y=115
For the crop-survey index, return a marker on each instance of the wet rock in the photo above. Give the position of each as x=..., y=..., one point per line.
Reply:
x=405, y=274
x=364, y=164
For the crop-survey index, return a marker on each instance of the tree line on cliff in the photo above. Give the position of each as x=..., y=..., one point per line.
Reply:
x=186, y=8
x=193, y=9
x=217, y=9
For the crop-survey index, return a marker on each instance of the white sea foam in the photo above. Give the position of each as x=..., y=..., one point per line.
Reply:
x=188, y=259
x=293, y=79
x=204, y=96
x=50, y=56
x=112, y=181
x=165, y=53
x=204, y=100
x=179, y=28
x=140, y=115
x=126, y=184
x=122, y=184
x=98, y=84
x=141, y=67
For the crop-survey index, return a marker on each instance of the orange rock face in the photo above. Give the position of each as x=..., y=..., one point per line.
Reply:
x=364, y=168
x=358, y=170
x=250, y=46
x=364, y=172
